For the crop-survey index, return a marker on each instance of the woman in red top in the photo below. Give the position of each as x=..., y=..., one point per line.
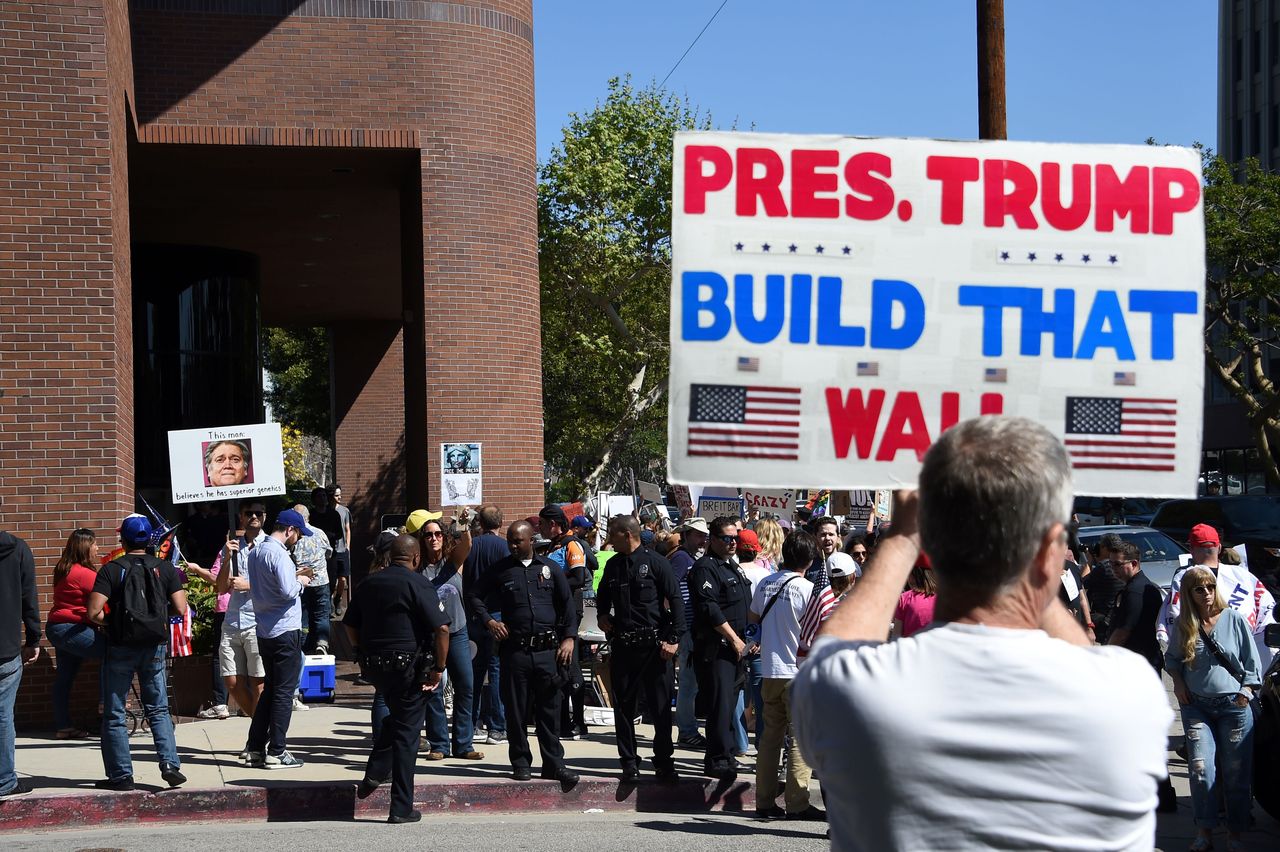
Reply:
x=68, y=628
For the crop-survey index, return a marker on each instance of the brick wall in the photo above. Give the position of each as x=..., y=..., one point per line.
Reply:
x=66, y=407
x=454, y=78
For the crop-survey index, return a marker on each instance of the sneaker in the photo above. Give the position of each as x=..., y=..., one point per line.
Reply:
x=171, y=775
x=480, y=734
x=117, y=784
x=298, y=705
x=284, y=760
x=694, y=740
x=254, y=759
x=21, y=788
x=322, y=649
x=496, y=737
x=810, y=814
x=218, y=711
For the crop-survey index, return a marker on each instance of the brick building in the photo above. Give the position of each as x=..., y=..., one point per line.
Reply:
x=365, y=165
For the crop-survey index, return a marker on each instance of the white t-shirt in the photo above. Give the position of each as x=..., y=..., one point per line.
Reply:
x=972, y=737
x=780, y=630
x=755, y=573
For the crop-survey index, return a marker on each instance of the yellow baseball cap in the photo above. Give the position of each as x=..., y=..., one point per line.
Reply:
x=418, y=517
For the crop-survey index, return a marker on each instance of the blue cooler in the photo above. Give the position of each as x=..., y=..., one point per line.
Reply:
x=319, y=675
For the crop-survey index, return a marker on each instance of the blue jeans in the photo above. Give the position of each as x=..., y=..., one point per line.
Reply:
x=122, y=663
x=460, y=675
x=74, y=643
x=487, y=700
x=315, y=616
x=687, y=693
x=1215, y=727
x=10, y=677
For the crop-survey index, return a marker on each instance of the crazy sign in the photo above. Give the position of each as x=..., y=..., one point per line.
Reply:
x=838, y=302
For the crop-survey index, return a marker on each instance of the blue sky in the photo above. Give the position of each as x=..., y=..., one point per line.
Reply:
x=1080, y=71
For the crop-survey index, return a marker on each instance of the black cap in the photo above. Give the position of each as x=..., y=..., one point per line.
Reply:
x=552, y=512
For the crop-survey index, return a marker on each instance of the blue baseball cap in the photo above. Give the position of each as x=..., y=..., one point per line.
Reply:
x=582, y=522
x=135, y=529
x=290, y=518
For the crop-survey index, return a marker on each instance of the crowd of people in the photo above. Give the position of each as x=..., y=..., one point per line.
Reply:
x=1003, y=688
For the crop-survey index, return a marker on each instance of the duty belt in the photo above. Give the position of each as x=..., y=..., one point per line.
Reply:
x=637, y=638
x=390, y=661
x=536, y=642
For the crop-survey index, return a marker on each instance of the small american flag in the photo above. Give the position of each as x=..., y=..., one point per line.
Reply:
x=749, y=365
x=1121, y=433
x=821, y=604
x=180, y=635
x=995, y=374
x=741, y=421
x=868, y=368
x=1126, y=378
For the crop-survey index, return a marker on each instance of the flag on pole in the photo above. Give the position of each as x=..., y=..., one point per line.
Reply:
x=821, y=604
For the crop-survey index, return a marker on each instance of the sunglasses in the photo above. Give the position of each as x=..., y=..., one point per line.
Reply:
x=859, y=554
x=728, y=539
x=435, y=534
x=249, y=513
x=1208, y=587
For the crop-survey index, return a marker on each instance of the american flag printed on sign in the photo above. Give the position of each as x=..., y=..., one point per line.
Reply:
x=1126, y=378
x=744, y=421
x=1121, y=433
x=749, y=365
x=868, y=368
x=995, y=374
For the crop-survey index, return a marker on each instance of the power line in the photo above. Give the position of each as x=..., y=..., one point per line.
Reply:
x=690, y=47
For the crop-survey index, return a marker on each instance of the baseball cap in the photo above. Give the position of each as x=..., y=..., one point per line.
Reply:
x=583, y=522
x=749, y=539
x=291, y=518
x=646, y=538
x=552, y=512
x=841, y=564
x=696, y=524
x=135, y=529
x=383, y=542
x=418, y=517
x=539, y=542
x=1203, y=534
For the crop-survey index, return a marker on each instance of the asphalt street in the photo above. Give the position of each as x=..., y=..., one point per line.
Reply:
x=579, y=832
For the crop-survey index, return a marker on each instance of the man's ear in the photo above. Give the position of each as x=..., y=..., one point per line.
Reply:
x=1047, y=566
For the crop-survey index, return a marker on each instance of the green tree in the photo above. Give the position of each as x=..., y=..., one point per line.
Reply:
x=1242, y=292
x=297, y=360
x=604, y=219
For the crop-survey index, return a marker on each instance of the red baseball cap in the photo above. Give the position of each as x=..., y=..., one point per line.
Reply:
x=1203, y=535
x=748, y=539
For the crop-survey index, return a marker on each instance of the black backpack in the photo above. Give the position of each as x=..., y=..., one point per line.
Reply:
x=593, y=564
x=140, y=608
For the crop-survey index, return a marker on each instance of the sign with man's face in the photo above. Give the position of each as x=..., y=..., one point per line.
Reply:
x=232, y=462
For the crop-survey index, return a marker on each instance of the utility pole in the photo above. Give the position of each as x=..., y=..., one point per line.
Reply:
x=991, y=120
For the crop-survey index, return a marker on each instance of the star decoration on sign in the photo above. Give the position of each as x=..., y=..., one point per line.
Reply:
x=1004, y=255
x=845, y=250
x=792, y=248
x=1113, y=259
x=1058, y=257
x=819, y=249
x=737, y=246
x=1031, y=256
x=1085, y=258
x=765, y=246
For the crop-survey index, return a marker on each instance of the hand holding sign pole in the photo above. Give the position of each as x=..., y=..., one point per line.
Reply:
x=838, y=302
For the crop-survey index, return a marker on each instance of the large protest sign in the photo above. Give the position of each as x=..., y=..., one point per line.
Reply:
x=776, y=501
x=226, y=463
x=838, y=302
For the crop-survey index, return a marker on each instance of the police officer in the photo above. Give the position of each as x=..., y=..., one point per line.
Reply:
x=400, y=632
x=536, y=634
x=639, y=606
x=721, y=595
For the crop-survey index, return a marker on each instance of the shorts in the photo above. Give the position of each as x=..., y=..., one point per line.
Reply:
x=238, y=653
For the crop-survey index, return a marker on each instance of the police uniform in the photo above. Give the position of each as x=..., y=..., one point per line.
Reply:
x=720, y=593
x=640, y=595
x=537, y=610
x=398, y=614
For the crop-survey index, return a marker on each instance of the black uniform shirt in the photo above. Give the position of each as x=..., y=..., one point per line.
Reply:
x=1137, y=611
x=720, y=593
x=532, y=599
x=395, y=610
x=639, y=590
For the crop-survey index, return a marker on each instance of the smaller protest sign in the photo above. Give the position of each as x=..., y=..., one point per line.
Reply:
x=770, y=501
x=884, y=503
x=840, y=504
x=715, y=507
x=649, y=491
x=621, y=504
x=226, y=463
x=862, y=505
x=683, y=500
x=461, y=474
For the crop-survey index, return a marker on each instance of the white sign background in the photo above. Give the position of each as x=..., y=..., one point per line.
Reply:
x=461, y=474
x=1099, y=269
x=187, y=469
x=716, y=507
x=772, y=501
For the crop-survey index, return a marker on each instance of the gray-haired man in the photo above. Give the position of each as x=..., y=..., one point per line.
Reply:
x=1002, y=727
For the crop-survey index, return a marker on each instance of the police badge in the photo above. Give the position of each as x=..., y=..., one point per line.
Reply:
x=546, y=572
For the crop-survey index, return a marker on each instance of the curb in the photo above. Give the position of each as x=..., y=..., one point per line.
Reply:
x=336, y=801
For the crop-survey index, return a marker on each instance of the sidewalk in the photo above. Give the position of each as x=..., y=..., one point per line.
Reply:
x=333, y=740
